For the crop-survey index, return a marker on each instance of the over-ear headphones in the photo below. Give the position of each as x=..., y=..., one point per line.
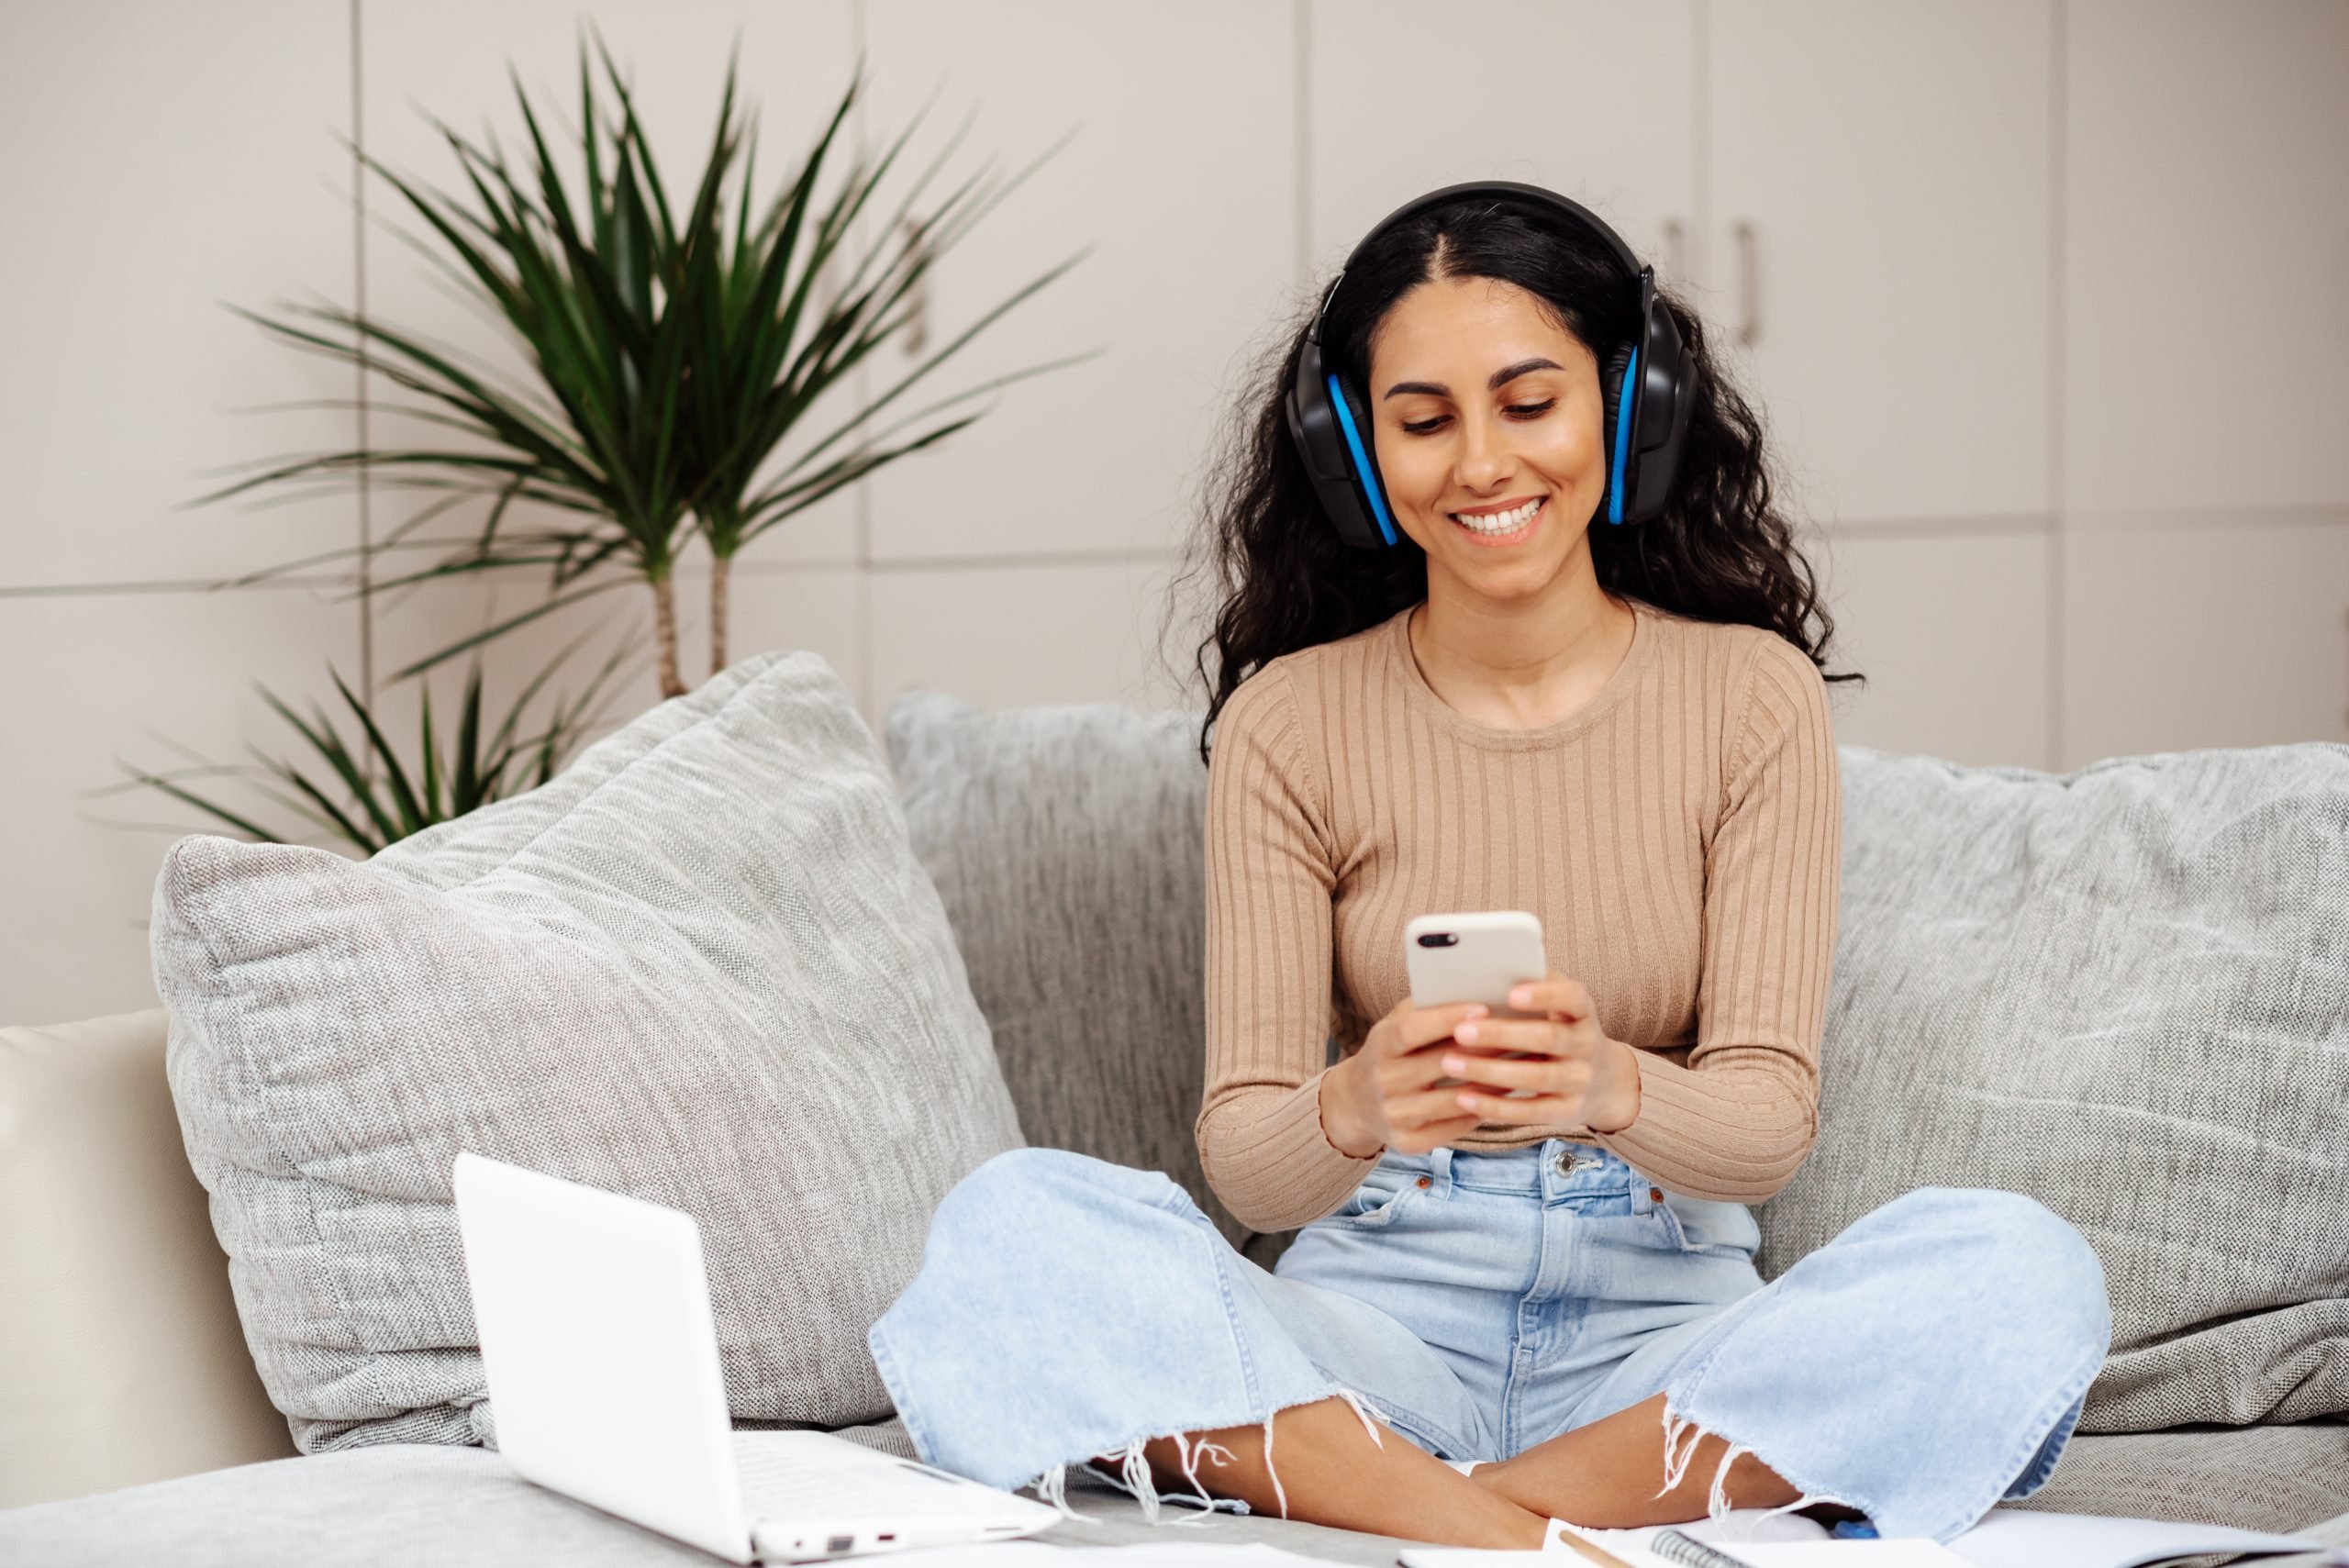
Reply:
x=1331, y=422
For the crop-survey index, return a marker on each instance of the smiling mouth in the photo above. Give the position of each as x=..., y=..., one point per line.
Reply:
x=1501, y=527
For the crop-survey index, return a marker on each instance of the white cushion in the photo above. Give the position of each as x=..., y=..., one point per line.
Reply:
x=121, y=1360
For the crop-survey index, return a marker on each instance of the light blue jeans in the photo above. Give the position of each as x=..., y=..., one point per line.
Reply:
x=1928, y=1362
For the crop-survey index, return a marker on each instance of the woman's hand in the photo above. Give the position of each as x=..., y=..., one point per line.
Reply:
x=1385, y=1094
x=1583, y=1077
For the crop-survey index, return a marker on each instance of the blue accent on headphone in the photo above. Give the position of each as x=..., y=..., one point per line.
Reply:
x=1362, y=459
x=1622, y=432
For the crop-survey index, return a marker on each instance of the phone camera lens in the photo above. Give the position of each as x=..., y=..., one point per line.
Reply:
x=1438, y=939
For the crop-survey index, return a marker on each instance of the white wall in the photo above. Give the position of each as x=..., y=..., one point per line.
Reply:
x=2048, y=303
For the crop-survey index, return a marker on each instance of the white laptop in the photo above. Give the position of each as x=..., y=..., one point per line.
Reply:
x=604, y=1378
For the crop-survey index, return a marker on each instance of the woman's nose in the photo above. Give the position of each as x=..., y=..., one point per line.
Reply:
x=1484, y=454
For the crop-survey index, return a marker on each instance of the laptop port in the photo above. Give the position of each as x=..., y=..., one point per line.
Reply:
x=840, y=1543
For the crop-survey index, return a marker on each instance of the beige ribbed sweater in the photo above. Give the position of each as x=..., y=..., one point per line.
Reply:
x=1680, y=836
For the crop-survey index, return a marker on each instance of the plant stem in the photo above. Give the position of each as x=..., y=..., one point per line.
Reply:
x=664, y=633
x=719, y=565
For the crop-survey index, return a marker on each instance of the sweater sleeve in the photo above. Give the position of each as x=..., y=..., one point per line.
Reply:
x=1269, y=884
x=1737, y=1119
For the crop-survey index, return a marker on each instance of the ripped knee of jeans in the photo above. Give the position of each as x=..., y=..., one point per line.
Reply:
x=1678, y=1454
x=1134, y=1476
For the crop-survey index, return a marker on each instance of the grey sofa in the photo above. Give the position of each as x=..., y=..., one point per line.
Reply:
x=2124, y=990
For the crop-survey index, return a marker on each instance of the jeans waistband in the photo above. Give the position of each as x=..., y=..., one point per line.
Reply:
x=1553, y=1167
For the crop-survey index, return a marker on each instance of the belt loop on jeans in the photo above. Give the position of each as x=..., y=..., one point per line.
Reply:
x=1440, y=1169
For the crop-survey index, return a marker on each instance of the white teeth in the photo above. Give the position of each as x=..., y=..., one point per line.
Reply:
x=1500, y=522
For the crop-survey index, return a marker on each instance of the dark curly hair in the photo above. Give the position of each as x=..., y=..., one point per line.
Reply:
x=1285, y=580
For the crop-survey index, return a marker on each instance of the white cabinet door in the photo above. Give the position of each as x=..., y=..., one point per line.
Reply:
x=2207, y=257
x=1880, y=230
x=1604, y=113
x=2177, y=638
x=1181, y=175
x=1953, y=634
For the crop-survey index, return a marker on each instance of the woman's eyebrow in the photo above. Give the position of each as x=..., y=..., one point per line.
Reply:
x=1500, y=378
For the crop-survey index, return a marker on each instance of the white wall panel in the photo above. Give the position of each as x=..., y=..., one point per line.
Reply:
x=1180, y=175
x=1034, y=634
x=1892, y=163
x=2207, y=278
x=1952, y=634
x=158, y=162
x=1401, y=106
x=95, y=678
x=2178, y=637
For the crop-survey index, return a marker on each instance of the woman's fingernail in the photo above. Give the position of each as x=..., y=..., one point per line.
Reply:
x=1479, y=1010
x=1455, y=1064
x=1467, y=1031
x=1521, y=996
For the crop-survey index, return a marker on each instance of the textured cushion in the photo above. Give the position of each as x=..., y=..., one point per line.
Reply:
x=2124, y=991
x=2273, y=1478
x=1067, y=843
x=456, y=1508
x=120, y=1356
x=702, y=966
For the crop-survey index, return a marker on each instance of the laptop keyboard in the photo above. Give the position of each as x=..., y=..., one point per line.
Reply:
x=778, y=1482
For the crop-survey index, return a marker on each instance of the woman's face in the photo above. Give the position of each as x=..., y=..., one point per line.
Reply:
x=1481, y=406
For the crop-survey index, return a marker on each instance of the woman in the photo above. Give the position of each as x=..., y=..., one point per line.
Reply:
x=1511, y=624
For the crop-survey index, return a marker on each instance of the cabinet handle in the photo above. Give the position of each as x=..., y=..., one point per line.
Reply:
x=1676, y=249
x=1748, y=283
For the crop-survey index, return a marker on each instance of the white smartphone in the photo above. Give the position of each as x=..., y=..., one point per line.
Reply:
x=1475, y=957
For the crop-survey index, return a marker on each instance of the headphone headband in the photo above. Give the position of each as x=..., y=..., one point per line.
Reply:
x=1562, y=206
x=1648, y=386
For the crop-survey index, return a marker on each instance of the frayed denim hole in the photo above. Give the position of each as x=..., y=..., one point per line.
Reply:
x=1717, y=1503
x=1052, y=1486
x=1134, y=1477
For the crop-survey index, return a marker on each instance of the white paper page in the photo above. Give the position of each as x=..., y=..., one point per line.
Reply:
x=2033, y=1538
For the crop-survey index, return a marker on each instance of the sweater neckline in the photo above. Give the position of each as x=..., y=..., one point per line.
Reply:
x=1414, y=682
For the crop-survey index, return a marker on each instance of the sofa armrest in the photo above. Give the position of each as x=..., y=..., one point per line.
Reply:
x=121, y=1357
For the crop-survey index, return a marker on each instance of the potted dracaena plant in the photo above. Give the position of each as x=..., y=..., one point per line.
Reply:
x=356, y=789
x=674, y=355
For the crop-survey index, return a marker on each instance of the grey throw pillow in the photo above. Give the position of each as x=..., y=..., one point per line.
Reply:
x=1068, y=844
x=2124, y=991
x=701, y=966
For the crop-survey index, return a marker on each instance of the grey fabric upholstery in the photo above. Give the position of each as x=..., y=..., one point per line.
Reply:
x=2268, y=1477
x=1067, y=844
x=463, y=1508
x=702, y=966
x=2124, y=991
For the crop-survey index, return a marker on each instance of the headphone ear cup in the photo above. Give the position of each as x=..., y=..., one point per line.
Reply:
x=1371, y=480
x=1611, y=390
